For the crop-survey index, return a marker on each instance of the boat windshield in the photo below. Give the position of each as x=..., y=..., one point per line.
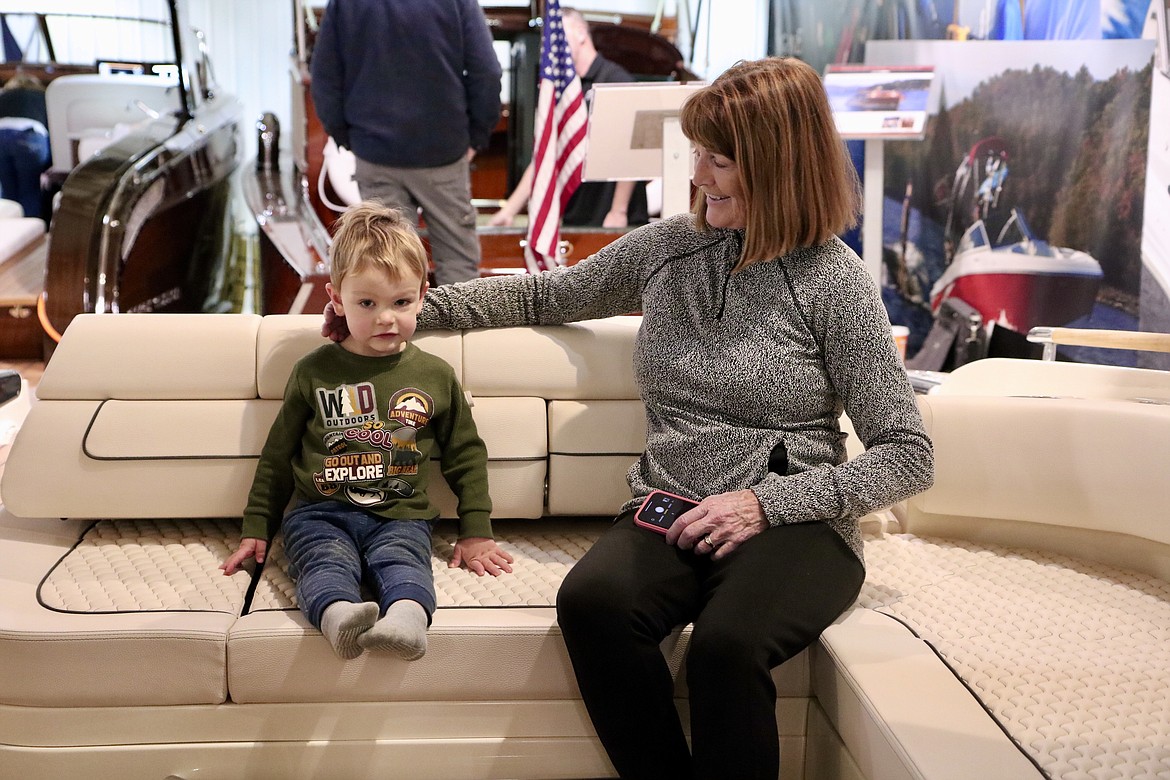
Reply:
x=1015, y=230
x=46, y=33
x=976, y=236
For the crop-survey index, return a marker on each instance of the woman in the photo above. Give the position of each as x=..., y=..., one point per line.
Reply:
x=759, y=328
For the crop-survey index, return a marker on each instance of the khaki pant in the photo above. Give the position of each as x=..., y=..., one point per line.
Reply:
x=444, y=196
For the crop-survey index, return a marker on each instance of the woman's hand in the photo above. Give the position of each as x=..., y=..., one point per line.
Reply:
x=335, y=327
x=249, y=548
x=719, y=524
x=481, y=555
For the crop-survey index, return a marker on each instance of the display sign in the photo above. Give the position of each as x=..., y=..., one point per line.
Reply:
x=880, y=102
x=625, y=128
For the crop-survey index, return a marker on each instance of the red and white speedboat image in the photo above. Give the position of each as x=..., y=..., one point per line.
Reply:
x=1019, y=281
x=877, y=98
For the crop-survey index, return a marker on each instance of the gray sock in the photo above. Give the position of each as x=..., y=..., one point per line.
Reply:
x=403, y=631
x=343, y=622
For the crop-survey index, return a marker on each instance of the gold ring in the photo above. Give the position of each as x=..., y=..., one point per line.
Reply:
x=707, y=539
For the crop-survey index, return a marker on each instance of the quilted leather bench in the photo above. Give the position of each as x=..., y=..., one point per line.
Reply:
x=1014, y=622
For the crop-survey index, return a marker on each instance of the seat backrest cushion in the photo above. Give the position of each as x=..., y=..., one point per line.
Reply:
x=1089, y=464
x=282, y=339
x=155, y=357
x=584, y=360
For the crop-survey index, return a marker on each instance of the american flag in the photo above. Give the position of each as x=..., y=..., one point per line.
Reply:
x=558, y=154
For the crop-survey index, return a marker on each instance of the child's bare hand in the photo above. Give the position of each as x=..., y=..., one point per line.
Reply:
x=249, y=548
x=481, y=556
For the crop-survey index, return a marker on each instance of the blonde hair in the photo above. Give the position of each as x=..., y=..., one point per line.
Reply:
x=772, y=117
x=370, y=235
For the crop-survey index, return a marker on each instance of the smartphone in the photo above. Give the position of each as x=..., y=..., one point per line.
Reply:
x=660, y=509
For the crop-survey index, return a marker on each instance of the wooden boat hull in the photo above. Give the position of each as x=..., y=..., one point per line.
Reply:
x=294, y=214
x=142, y=159
x=294, y=244
x=140, y=226
x=21, y=336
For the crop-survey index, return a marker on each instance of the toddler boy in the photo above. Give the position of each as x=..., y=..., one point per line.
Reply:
x=359, y=420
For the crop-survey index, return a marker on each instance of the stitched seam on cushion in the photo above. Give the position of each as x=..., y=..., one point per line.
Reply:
x=1031, y=759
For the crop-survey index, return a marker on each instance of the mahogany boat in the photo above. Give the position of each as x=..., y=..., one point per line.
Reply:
x=142, y=154
x=295, y=201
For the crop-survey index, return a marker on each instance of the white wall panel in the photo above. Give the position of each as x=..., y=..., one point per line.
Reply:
x=250, y=45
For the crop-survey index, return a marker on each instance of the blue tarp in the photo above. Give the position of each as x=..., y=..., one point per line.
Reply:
x=12, y=51
x=1068, y=19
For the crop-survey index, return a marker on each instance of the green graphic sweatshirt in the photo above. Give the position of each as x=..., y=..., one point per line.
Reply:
x=360, y=430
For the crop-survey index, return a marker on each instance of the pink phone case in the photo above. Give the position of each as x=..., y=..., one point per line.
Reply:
x=660, y=509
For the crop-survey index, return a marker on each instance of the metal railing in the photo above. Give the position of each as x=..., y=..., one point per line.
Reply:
x=1106, y=339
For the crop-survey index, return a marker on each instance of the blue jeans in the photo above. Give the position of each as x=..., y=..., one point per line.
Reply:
x=24, y=155
x=332, y=546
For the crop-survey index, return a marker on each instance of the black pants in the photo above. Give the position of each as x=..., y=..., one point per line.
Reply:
x=752, y=611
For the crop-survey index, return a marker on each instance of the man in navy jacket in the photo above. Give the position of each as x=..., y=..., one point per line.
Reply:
x=412, y=88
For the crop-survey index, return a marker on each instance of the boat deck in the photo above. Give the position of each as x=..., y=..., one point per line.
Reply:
x=22, y=276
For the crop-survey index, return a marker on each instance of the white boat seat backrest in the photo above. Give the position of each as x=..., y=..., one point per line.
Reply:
x=1037, y=378
x=86, y=111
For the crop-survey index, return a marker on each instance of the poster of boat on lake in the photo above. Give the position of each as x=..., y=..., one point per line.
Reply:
x=1024, y=198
